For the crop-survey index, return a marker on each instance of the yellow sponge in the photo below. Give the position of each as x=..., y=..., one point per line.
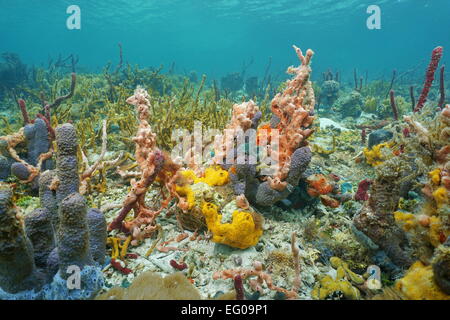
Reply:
x=418, y=284
x=214, y=176
x=375, y=156
x=186, y=191
x=241, y=233
x=440, y=195
x=407, y=220
x=435, y=176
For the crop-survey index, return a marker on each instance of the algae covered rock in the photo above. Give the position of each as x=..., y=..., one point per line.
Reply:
x=378, y=136
x=329, y=92
x=349, y=105
x=376, y=217
x=441, y=267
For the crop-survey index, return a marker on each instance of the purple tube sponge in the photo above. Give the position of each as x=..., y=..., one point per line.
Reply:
x=97, y=235
x=38, y=142
x=17, y=269
x=66, y=161
x=20, y=171
x=73, y=234
x=266, y=196
x=39, y=229
x=5, y=167
x=47, y=196
x=260, y=193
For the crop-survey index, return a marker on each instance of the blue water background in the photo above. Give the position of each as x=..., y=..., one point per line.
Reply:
x=216, y=36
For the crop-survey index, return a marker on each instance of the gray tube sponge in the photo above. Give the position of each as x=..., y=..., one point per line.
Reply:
x=73, y=234
x=5, y=167
x=256, y=118
x=266, y=196
x=37, y=141
x=20, y=171
x=97, y=235
x=274, y=121
x=39, y=229
x=66, y=161
x=300, y=160
x=17, y=268
x=47, y=196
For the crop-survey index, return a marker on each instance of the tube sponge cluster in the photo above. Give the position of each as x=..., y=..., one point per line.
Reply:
x=37, y=143
x=36, y=257
x=17, y=268
x=244, y=180
x=289, y=128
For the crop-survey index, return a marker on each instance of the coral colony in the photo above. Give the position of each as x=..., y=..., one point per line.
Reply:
x=316, y=190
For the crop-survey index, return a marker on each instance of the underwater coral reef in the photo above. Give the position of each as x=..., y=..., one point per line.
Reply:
x=139, y=184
